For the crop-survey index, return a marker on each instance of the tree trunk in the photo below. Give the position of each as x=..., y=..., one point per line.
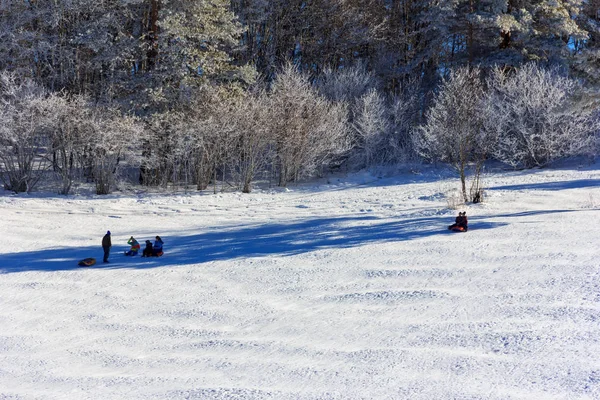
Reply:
x=463, y=182
x=152, y=52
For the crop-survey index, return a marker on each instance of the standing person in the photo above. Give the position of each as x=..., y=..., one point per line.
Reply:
x=106, y=244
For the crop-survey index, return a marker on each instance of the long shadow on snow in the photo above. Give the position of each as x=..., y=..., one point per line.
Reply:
x=561, y=185
x=530, y=213
x=246, y=241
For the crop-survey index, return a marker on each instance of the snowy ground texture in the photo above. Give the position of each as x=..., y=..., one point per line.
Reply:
x=352, y=289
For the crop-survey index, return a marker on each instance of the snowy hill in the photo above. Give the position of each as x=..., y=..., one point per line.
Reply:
x=347, y=290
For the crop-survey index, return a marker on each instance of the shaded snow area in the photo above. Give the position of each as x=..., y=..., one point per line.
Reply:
x=352, y=289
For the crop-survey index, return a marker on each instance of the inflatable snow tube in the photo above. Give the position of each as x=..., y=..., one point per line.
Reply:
x=87, y=262
x=458, y=229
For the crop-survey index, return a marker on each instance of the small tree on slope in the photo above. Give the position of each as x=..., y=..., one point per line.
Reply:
x=452, y=131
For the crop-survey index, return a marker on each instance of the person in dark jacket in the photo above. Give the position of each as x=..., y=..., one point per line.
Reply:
x=460, y=223
x=157, y=249
x=106, y=244
x=148, y=249
x=465, y=221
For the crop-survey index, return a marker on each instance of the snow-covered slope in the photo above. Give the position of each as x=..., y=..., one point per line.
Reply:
x=334, y=291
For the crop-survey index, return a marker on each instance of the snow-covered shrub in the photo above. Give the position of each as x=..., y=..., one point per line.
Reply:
x=111, y=139
x=536, y=117
x=26, y=117
x=346, y=85
x=309, y=130
x=454, y=199
x=41, y=130
x=381, y=125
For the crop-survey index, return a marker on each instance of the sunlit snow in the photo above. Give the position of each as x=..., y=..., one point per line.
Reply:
x=338, y=290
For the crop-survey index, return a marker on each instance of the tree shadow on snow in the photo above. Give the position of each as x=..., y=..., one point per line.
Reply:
x=561, y=185
x=282, y=239
x=530, y=214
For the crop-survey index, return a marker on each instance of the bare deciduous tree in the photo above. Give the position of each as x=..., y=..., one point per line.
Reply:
x=453, y=124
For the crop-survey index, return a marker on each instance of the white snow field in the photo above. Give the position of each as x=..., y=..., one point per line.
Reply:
x=336, y=290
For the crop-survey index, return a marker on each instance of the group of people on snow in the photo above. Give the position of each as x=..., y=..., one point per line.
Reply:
x=151, y=250
x=156, y=249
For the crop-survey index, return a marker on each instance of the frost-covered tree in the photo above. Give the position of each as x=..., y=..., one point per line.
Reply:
x=372, y=127
x=587, y=50
x=511, y=32
x=68, y=138
x=252, y=151
x=405, y=115
x=160, y=151
x=453, y=123
x=368, y=115
x=314, y=34
x=196, y=39
x=215, y=132
x=536, y=115
x=26, y=117
x=309, y=130
x=110, y=141
x=381, y=123
x=347, y=84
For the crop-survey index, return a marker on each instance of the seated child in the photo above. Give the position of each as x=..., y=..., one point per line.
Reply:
x=148, y=249
x=157, y=249
x=135, y=247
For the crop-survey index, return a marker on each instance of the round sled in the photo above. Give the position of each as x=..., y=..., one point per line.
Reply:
x=458, y=229
x=87, y=262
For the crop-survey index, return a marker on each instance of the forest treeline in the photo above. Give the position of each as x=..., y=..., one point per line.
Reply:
x=196, y=92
